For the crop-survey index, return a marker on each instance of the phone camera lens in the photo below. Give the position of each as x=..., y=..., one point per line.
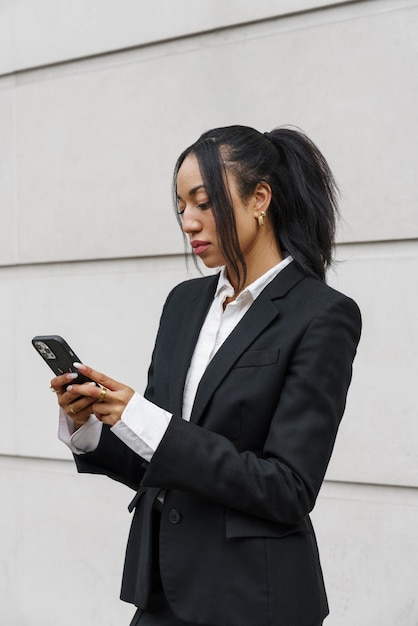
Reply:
x=44, y=350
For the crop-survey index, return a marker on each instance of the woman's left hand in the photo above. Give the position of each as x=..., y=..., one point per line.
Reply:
x=111, y=397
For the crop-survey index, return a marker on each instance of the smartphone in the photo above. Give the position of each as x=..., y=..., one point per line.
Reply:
x=56, y=352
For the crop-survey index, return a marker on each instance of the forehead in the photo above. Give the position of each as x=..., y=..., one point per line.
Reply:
x=190, y=180
x=189, y=176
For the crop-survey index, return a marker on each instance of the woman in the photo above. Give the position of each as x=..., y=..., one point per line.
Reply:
x=228, y=447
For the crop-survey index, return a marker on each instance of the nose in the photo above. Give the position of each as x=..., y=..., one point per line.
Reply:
x=190, y=220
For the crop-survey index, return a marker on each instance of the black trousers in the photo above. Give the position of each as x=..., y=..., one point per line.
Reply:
x=158, y=613
x=165, y=617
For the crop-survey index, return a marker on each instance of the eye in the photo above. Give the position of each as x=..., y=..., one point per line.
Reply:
x=203, y=206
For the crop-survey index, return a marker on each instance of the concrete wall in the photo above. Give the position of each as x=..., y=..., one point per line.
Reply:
x=97, y=99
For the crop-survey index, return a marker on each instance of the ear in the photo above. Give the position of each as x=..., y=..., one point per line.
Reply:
x=262, y=198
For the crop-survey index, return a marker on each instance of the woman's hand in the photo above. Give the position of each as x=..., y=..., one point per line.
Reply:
x=78, y=409
x=107, y=402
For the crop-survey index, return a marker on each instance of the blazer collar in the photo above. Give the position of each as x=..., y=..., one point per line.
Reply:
x=194, y=313
x=285, y=281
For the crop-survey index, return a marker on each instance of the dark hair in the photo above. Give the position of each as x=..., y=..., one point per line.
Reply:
x=303, y=206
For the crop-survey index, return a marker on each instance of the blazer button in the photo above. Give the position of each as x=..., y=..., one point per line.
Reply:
x=174, y=516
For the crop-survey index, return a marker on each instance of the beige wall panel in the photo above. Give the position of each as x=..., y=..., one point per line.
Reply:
x=51, y=31
x=94, y=165
x=95, y=158
x=378, y=438
x=7, y=45
x=374, y=99
x=108, y=313
x=9, y=541
x=8, y=214
x=61, y=557
x=12, y=384
x=369, y=552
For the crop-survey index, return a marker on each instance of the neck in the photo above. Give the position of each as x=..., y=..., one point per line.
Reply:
x=256, y=266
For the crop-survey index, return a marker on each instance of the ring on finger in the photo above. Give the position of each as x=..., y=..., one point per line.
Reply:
x=72, y=410
x=102, y=394
x=52, y=389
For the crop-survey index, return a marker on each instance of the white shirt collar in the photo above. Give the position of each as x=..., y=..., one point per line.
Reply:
x=226, y=290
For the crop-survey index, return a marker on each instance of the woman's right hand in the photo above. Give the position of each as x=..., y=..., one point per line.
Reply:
x=79, y=409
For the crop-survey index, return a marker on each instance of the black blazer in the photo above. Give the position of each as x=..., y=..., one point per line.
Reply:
x=237, y=547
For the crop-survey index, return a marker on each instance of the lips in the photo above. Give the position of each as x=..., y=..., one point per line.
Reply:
x=199, y=247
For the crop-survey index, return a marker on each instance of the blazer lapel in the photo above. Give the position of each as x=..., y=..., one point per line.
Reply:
x=262, y=312
x=194, y=313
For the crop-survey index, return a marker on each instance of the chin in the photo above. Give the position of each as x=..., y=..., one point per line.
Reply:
x=212, y=264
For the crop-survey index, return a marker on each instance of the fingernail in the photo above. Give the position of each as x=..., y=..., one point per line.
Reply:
x=78, y=365
x=72, y=376
x=92, y=383
x=69, y=388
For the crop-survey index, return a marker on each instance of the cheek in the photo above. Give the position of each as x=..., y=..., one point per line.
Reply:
x=247, y=231
x=211, y=225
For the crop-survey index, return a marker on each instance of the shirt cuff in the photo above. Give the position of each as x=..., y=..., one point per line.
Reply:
x=142, y=426
x=84, y=439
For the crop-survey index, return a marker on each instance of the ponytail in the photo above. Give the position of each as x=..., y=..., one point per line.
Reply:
x=306, y=207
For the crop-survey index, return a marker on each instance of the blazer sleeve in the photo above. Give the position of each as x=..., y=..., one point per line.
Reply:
x=279, y=482
x=114, y=459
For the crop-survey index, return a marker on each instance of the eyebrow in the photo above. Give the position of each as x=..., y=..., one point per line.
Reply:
x=193, y=191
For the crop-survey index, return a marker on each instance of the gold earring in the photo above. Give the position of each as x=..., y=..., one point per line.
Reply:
x=261, y=217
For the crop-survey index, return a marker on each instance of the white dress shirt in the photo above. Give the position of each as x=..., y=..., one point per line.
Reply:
x=143, y=424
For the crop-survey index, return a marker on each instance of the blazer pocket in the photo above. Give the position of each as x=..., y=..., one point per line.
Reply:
x=240, y=525
x=258, y=358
